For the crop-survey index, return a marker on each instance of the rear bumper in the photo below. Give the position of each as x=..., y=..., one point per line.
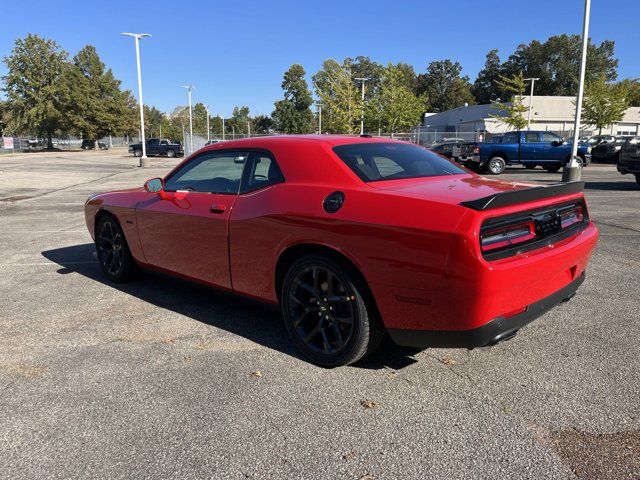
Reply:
x=492, y=332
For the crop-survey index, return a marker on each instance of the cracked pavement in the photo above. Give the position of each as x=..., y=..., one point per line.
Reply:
x=154, y=378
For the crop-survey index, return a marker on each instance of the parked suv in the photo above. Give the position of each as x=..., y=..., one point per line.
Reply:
x=609, y=150
x=529, y=148
x=158, y=146
x=629, y=158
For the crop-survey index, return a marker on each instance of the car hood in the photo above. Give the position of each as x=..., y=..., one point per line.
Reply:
x=451, y=189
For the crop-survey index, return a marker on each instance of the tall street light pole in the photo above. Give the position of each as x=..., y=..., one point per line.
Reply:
x=319, y=118
x=144, y=161
x=189, y=88
x=532, y=80
x=206, y=107
x=572, y=171
x=363, y=80
x=222, y=118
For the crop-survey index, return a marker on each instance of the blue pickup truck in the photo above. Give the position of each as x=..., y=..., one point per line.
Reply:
x=529, y=148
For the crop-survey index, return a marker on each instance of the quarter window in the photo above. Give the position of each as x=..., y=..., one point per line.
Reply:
x=215, y=172
x=261, y=172
x=550, y=137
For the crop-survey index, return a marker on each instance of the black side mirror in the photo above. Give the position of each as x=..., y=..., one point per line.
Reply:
x=556, y=143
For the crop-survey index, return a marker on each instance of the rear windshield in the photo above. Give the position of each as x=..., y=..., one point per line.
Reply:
x=388, y=161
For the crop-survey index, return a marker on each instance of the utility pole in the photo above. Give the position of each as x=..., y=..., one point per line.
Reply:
x=363, y=80
x=144, y=161
x=573, y=171
x=319, y=119
x=206, y=107
x=189, y=88
x=222, y=117
x=248, y=128
x=532, y=80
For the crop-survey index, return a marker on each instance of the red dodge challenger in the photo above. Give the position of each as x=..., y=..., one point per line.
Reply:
x=354, y=237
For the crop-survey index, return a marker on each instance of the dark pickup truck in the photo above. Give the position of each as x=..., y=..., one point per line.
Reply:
x=629, y=158
x=529, y=148
x=158, y=146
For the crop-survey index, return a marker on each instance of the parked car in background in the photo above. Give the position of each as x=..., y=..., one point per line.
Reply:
x=212, y=141
x=629, y=158
x=598, y=139
x=529, y=148
x=459, y=150
x=158, y=146
x=354, y=237
x=90, y=145
x=609, y=150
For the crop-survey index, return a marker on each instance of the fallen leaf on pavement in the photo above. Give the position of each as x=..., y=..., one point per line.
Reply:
x=448, y=361
x=369, y=404
x=257, y=373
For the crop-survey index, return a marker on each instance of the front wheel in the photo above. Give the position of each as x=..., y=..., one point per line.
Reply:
x=137, y=152
x=113, y=252
x=326, y=312
x=496, y=165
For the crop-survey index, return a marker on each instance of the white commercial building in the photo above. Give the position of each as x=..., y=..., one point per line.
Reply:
x=547, y=113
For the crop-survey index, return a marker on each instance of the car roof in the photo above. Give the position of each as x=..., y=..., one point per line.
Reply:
x=330, y=140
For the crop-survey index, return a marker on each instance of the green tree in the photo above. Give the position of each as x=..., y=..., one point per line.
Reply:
x=95, y=105
x=33, y=86
x=262, y=124
x=556, y=62
x=293, y=113
x=339, y=96
x=397, y=108
x=513, y=113
x=485, y=88
x=604, y=103
x=154, y=122
x=444, y=87
x=632, y=86
x=239, y=121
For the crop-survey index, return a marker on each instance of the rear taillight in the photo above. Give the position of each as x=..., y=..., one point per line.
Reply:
x=571, y=216
x=507, y=236
x=476, y=150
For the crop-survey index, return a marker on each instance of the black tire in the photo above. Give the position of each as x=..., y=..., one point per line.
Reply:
x=171, y=153
x=496, y=165
x=328, y=313
x=137, y=152
x=638, y=178
x=113, y=251
x=529, y=166
x=552, y=168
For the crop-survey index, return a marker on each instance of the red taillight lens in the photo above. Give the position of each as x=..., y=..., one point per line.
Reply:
x=476, y=150
x=507, y=236
x=571, y=216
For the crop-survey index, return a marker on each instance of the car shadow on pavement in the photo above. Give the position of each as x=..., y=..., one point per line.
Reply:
x=261, y=323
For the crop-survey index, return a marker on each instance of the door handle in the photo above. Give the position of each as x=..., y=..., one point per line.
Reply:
x=218, y=208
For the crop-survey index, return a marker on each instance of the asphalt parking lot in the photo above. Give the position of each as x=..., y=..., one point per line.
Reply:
x=159, y=378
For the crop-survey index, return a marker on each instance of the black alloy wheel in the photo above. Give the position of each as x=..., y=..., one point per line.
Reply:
x=112, y=249
x=326, y=314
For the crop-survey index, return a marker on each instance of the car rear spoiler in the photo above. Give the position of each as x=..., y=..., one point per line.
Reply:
x=504, y=199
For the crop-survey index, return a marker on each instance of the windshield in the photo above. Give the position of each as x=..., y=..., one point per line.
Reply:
x=388, y=161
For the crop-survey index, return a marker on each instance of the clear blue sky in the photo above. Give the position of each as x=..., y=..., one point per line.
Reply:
x=235, y=52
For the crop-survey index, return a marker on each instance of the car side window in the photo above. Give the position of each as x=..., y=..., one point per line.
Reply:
x=262, y=171
x=212, y=172
x=550, y=137
x=532, y=137
x=511, y=137
x=164, y=142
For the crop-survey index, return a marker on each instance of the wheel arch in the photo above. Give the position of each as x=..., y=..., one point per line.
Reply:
x=99, y=215
x=298, y=250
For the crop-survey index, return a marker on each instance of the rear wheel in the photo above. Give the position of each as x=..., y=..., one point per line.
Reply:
x=552, y=168
x=137, y=152
x=171, y=153
x=113, y=252
x=326, y=312
x=496, y=165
